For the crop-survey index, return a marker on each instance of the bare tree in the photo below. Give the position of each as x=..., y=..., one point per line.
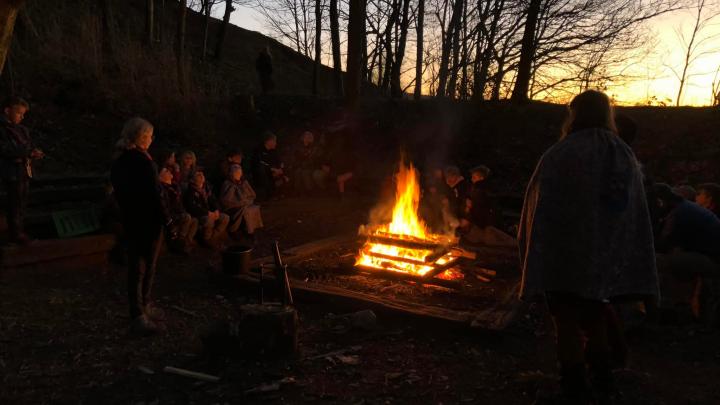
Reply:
x=222, y=32
x=527, y=54
x=715, y=96
x=335, y=38
x=356, y=32
x=149, y=22
x=448, y=42
x=8, y=14
x=318, y=46
x=291, y=21
x=395, y=88
x=108, y=27
x=695, y=42
x=180, y=45
x=419, y=50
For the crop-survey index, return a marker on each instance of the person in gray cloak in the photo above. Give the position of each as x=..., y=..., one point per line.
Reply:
x=237, y=198
x=585, y=240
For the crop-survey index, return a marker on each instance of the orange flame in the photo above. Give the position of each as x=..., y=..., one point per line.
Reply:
x=406, y=225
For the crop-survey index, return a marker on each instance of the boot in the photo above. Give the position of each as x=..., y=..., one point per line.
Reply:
x=603, y=384
x=574, y=386
x=142, y=326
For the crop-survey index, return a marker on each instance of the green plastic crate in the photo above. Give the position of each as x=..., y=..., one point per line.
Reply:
x=75, y=222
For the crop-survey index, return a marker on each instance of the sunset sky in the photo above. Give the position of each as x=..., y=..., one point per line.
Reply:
x=651, y=77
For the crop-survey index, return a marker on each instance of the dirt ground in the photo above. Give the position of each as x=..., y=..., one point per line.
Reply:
x=63, y=339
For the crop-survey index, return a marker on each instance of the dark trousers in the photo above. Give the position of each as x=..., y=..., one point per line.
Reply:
x=17, y=199
x=141, y=273
x=585, y=331
x=264, y=184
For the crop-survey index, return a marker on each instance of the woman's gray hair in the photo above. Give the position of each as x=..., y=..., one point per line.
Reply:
x=133, y=128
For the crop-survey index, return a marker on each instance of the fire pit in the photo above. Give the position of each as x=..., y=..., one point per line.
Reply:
x=405, y=248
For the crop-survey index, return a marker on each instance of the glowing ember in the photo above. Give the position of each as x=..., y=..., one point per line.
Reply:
x=405, y=245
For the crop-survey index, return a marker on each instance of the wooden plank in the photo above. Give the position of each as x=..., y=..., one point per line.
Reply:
x=314, y=291
x=53, y=249
x=501, y=315
x=301, y=252
x=400, y=276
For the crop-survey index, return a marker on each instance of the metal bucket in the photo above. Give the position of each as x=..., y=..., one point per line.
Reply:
x=236, y=259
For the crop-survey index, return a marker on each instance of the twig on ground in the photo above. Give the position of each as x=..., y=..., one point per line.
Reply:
x=191, y=374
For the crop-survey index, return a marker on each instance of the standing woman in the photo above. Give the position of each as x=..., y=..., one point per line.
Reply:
x=135, y=181
x=585, y=240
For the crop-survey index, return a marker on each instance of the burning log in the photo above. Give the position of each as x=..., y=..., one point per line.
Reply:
x=405, y=245
x=401, y=276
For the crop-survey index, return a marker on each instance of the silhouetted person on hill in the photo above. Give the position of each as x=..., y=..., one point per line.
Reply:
x=16, y=155
x=264, y=67
x=137, y=191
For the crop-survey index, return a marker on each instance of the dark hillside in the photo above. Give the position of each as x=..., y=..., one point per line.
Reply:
x=81, y=91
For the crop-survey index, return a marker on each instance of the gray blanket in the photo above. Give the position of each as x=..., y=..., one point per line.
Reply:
x=585, y=227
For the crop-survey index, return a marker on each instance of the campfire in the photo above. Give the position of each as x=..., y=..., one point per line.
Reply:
x=405, y=248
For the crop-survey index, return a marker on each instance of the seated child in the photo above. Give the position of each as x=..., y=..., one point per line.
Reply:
x=184, y=226
x=237, y=198
x=187, y=168
x=478, y=226
x=201, y=204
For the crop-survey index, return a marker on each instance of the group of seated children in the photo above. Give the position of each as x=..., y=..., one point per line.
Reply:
x=452, y=203
x=311, y=167
x=206, y=205
x=191, y=203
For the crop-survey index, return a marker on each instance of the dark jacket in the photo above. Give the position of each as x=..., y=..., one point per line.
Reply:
x=482, y=210
x=172, y=200
x=458, y=196
x=137, y=191
x=307, y=157
x=199, y=202
x=15, y=148
x=263, y=159
x=692, y=228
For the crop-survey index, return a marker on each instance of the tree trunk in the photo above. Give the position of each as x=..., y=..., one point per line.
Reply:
x=447, y=47
x=335, y=38
x=223, y=29
x=8, y=14
x=206, y=30
x=527, y=55
x=161, y=22
x=455, y=52
x=389, y=57
x=464, y=56
x=356, y=32
x=180, y=46
x=480, y=81
x=149, y=22
x=108, y=28
x=497, y=83
x=318, y=45
x=419, y=50
x=395, y=89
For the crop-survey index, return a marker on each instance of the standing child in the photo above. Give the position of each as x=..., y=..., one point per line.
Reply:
x=201, y=204
x=237, y=198
x=16, y=156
